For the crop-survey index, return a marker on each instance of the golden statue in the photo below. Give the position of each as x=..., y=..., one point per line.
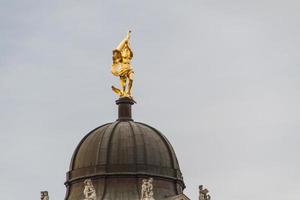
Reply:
x=121, y=67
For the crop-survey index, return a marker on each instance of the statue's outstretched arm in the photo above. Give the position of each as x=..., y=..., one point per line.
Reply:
x=125, y=40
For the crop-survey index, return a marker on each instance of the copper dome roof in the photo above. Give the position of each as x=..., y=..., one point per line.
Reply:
x=124, y=151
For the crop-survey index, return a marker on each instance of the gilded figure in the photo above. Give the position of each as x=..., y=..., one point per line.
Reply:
x=122, y=68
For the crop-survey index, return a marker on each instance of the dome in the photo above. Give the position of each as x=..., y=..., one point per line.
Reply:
x=118, y=155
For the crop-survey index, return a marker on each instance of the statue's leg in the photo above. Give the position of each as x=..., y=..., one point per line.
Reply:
x=130, y=81
x=123, y=84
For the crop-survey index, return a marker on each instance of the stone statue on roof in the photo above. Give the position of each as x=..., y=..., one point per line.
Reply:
x=89, y=190
x=203, y=193
x=44, y=195
x=147, y=189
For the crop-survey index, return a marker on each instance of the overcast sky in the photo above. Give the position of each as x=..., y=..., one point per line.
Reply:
x=220, y=78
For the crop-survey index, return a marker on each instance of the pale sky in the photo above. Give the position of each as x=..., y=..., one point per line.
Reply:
x=220, y=78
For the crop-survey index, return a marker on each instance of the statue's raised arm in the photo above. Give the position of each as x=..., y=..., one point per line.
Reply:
x=125, y=40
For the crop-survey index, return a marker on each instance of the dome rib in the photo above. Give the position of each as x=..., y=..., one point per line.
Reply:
x=108, y=160
x=100, y=143
x=135, y=152
x=144, y=146
x=80, y=143
x=134, y=142
x=164, y=139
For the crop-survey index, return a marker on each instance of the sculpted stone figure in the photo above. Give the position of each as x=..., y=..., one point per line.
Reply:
x=89, y=190
x=147, y=189
x=203, y=193
x=121, y=67
x=44, y=195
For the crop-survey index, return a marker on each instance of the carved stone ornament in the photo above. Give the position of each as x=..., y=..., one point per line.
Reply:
x=44, y=195
x=89, y=190
x=203, y=193
x=147, y=189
